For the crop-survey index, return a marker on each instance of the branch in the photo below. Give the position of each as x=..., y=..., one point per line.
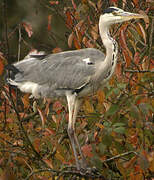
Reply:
x=38, y=171
x=19, y=42
x=68, y=173
x=138, y=71
x=25, y=135
x=120, y=155
x=6, y=28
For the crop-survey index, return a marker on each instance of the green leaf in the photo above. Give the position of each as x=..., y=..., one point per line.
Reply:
x=107, y=140
x=113, y=109
x=120, y=130
x=118, y=124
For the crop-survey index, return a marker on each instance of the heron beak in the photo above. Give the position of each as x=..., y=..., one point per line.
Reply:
x=128, y=16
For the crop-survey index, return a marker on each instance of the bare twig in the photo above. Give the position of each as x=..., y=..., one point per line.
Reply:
x=150, y=40
x=19, y=42
x=24, y=133
x=138, y=71
x=39, y=171
x=6, y=28
x=120, y=155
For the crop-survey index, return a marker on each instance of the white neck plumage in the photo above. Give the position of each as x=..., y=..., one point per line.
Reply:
x=110, y=45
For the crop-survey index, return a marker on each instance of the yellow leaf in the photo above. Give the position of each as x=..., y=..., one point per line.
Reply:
x=88, y=108
x=59, y=156
x=100, y=96
x=48, y=162
x=100, y=125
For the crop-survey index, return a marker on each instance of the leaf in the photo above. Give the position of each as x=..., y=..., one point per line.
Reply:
x=118, y=124
x=42, y=115
x=146, y=19
x=100, y=125
x=100, y=96
x=48, y=162
x=25, y=100
x=57, y=107
x=59, y=156
x=57, y=50
x=69, y=20
x=49, y=22
x=130, y=163
x=74, y=5
x=1, y=67
x=136, y=3
x=125, y=50
x=141, y=31
x=88, y=107
x=76, y=43
x=54, y=2
x=78, y=34
x=113, y=109
x=37, y=144
x=94, y=32
x=120, y=130
x=70, y=39
x=28, y=28
x=87, y=150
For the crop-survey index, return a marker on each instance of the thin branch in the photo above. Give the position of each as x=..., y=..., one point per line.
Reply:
x=120, y=155
x=138, y=71
x=22, y=128
x=39, y=171
x=151, y=40
x=6, y=28
x=19, y=42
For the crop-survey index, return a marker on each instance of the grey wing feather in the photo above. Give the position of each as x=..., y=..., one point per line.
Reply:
x=63, y=70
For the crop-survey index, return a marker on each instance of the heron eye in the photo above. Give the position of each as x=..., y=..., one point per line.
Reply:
x=115, y=13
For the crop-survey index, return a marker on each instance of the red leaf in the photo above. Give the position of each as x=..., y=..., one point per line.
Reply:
x=118, y=70
x=49, y=22
x=69, y=21
x=54, y=2
x=76, y=43
x=42, y=115
x=87, y=150
x=126, y=52
x=136, y=2
x=1, y=67
x=57, y=50
x=70, y=39
x=114, y=1
x=74, y=5
x=37, y=144
x=28, y=28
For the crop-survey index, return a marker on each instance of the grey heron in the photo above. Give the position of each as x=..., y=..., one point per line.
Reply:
x=71, y=74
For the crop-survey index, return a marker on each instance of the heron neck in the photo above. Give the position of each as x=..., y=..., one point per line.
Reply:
x=110, y=45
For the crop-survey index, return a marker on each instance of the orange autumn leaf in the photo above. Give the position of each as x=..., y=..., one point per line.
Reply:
x=54, y=2
x=70, y=39
x=1, y=67
x=100, y=96
x=42, y=115
x=48, y=162
x=28, y=28
x=88, y=107
x=76, y=43
x=69, y=20
x=87, y=150
x=49, y=22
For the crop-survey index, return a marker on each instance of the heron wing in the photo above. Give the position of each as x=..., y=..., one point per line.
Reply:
x=65, y=70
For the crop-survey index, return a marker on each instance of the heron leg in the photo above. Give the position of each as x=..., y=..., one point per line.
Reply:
x=71, y=99
x=76, y=109
x=73, y=106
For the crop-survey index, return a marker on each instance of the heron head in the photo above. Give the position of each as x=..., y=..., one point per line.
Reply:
x=114, y=15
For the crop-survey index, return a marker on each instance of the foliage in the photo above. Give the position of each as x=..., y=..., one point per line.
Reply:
x=114, y=127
